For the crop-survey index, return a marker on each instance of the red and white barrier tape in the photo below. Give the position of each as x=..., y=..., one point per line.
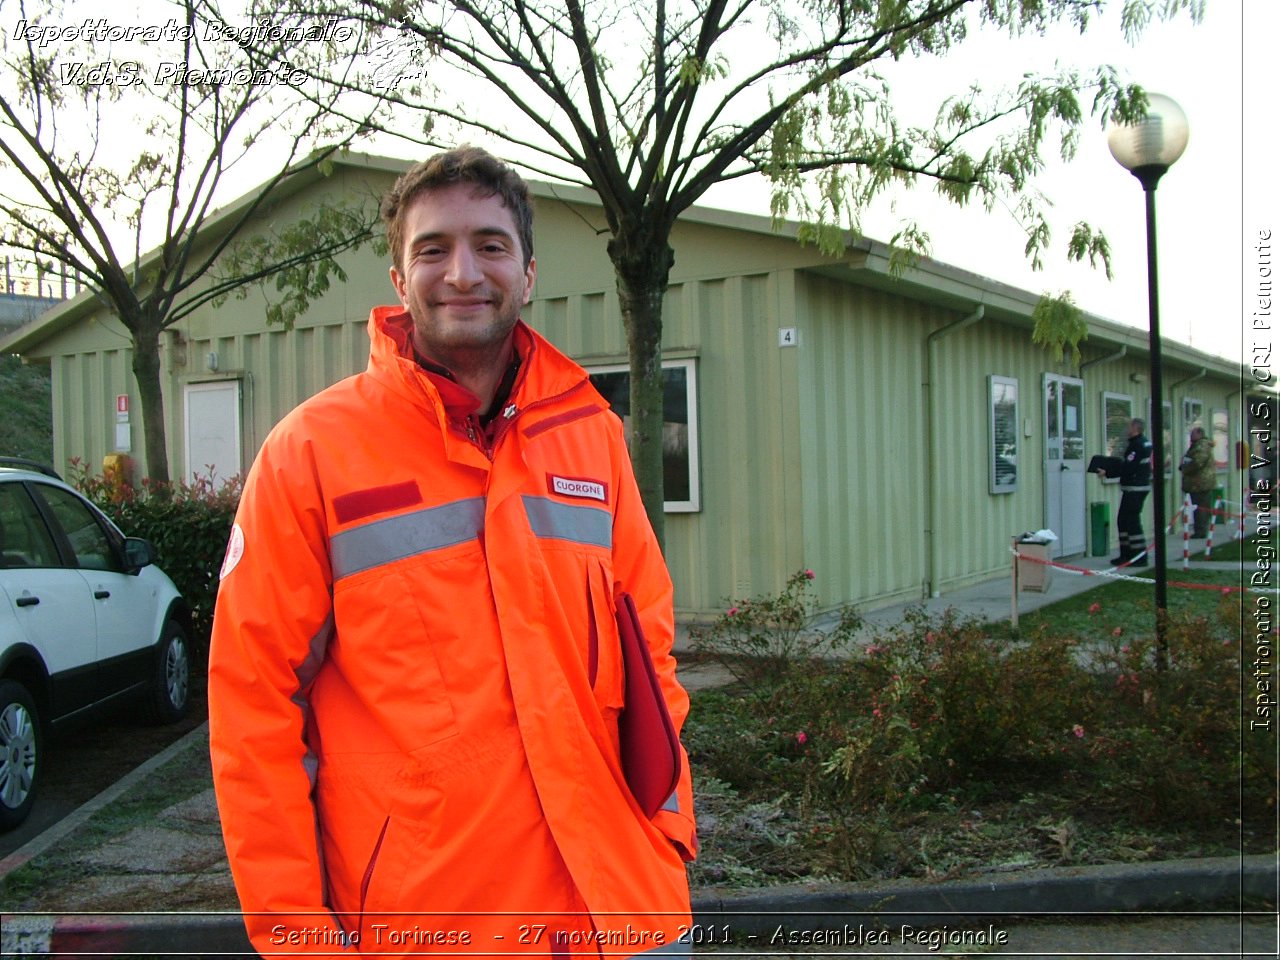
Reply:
x=1208, y=543
x=1188, y=513
x=1115, y=575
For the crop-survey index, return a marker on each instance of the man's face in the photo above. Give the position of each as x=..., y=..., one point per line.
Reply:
x=462, y=275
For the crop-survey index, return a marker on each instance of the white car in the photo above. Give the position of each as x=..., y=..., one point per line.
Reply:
x=86, y=619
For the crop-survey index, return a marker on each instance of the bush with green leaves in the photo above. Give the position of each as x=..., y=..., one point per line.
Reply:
x=1163, y=743
x=188, y=523
x=948, y=701
x=761, y=638
x=937, y=719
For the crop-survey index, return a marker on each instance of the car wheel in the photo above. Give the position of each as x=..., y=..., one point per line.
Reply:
x=170, y=693
x=21, y=759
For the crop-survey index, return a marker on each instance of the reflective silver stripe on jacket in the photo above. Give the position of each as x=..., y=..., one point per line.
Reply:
x=406, y=535
x=550, y=519
x=301, y=698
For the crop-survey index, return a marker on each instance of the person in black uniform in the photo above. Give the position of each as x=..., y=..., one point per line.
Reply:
x=1135, y=484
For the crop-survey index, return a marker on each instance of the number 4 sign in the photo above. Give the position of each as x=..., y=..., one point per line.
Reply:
x=786, y=336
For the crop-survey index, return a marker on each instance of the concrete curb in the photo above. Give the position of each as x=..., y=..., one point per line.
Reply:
x=1228, y=883
x=157, y=934
x=70, y=823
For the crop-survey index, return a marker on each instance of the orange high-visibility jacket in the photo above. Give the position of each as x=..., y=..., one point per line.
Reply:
x=415, y=676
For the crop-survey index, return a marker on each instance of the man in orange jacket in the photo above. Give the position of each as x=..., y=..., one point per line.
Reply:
x=416, y=679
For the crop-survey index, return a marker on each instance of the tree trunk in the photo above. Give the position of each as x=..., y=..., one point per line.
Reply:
x=642, y=261
x=146, y=371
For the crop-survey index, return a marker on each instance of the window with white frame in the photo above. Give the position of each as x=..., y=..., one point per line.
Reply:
x=1221, y=440
x=1192, y=416
x=1117, y=411
x=679, y=427
x=1003, y=421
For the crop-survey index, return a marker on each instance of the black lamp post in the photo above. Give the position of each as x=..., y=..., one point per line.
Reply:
x=1147, y=149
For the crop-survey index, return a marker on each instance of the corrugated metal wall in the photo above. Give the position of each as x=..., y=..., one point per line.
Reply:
x=862, y=457
x=281, y=369
x=85, y=386
x=973, y=527
x=890, y=514
x=747, y=536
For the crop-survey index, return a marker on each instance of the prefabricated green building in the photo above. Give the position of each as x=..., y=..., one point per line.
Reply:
x=891, y=433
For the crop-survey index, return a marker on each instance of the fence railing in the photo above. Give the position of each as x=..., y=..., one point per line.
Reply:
x=22, y=278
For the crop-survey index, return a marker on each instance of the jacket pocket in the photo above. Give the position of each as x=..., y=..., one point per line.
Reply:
x=373, y=863
x=604, y=654
x=384, y=877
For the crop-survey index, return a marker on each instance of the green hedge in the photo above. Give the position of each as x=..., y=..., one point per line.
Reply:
x=187, y=522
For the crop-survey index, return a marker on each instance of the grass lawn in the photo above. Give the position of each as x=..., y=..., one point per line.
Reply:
x=1130, y=606
x=1235, y=550
x=62, y=867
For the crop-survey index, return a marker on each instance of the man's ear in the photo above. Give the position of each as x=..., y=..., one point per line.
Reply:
x=397, y=281
x=530, y=274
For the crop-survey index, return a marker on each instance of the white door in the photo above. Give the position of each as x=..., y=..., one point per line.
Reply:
x=1064, y=463
x=213, y=429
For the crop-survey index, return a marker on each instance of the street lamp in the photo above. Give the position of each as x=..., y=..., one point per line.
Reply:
x=1147, y=149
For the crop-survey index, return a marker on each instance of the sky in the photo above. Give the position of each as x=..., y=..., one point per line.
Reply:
x=1210, y=204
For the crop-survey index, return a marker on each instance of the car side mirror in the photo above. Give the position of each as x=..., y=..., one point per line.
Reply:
x=138, y=553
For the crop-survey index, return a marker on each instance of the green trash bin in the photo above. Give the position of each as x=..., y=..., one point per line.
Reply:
x=1219, y=503
x=1099, y=527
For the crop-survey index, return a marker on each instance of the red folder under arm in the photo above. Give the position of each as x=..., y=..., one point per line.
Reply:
x=650, y=746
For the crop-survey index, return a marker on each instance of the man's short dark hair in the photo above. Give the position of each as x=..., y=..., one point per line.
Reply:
x=465, y=164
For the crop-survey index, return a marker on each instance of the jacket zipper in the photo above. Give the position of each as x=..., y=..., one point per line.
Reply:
x=373, y=862
x=509, y=414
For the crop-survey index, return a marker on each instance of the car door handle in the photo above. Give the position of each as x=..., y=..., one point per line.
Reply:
x=27, y=601
x=101, y=594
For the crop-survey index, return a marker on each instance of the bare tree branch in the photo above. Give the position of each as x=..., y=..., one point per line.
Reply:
x=71, y=202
